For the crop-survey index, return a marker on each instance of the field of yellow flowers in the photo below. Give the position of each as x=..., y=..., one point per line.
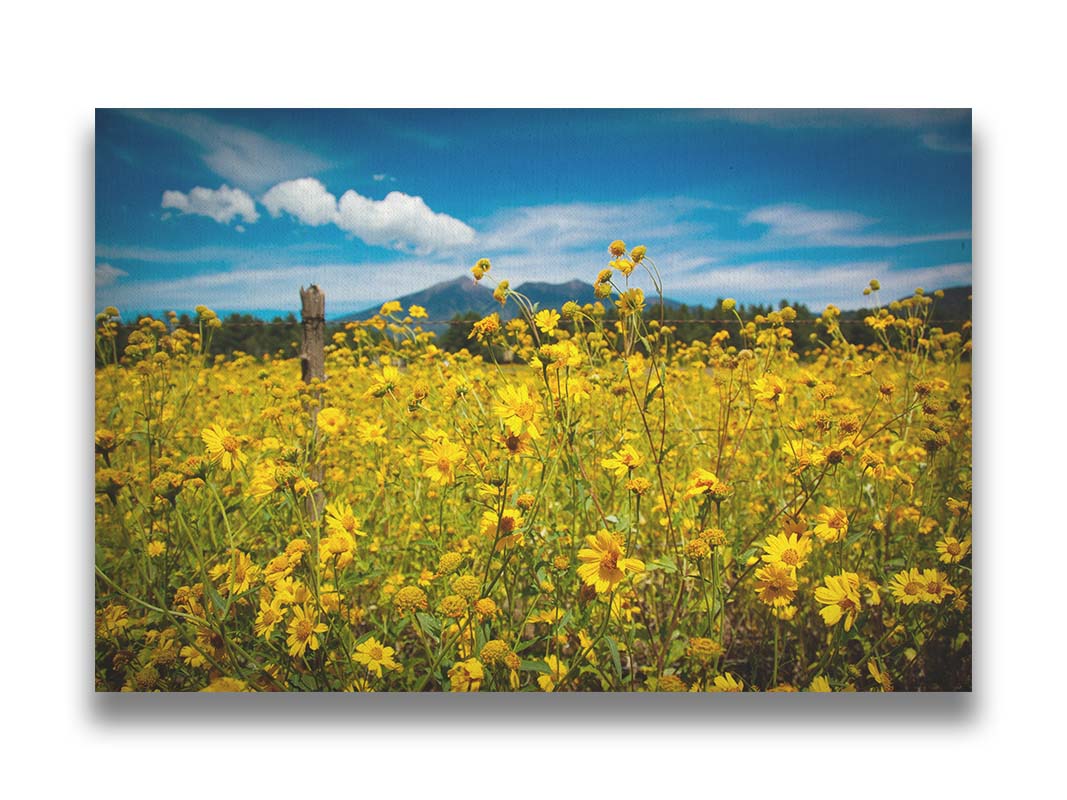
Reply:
x=611, y=511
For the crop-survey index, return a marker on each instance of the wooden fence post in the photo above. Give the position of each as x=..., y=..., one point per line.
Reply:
x=313, y=367
x=313, y=348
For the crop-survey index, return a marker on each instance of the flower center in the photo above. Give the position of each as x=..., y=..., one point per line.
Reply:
x=790, y=557
x=609, y=561
x=303, y=629
x=376, y=653
x=953, y=548
x=229, y=444
x=443, y=464
x=913, y=588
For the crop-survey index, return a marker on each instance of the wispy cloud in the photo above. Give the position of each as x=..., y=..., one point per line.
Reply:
x=106, y=275
x=246, y=158
x=796, y=225
x=567, y=226
x=831, y=118
x=927, y=124
x=795, y=220
x=348, y=287
x=945, y=143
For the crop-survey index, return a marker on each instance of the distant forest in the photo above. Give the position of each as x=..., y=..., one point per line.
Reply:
x=280, y=337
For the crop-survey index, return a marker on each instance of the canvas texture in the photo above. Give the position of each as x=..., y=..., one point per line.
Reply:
x=557, y=400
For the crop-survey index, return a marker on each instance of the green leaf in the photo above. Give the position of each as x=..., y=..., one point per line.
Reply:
x=525, y=646
x=665, y=563
x=651, y=394
x=536, y=666
x=214, y=596
x=428, y=623
x=613, y=647
x=676, y=651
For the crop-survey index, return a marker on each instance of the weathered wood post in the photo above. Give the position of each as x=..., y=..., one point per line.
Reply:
x=312, y=368
x=313, y=348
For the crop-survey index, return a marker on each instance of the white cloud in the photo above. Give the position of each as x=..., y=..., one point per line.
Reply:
x=222, y=204
x=568, y=226
x=793, y=219
x=399, y=221
x=244, y=157
x=106, y=275
x=306, y=199
x=383, y=176
x=796, y=225
x=402, y=222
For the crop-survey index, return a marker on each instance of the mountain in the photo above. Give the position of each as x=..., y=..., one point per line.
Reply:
x=554, y=295
x=955, y=305
x=442, y=301
x=461, y=295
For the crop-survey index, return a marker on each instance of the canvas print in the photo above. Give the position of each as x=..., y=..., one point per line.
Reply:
x=533, y=400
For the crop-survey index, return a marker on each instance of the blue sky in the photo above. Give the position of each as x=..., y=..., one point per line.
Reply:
x=237, y=209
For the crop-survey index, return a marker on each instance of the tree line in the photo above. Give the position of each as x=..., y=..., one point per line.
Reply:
x=280, y=337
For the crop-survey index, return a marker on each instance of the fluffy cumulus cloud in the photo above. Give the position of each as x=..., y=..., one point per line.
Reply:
x=106, y=275
x=305, y=199
x=222, y=204
x=400, y=221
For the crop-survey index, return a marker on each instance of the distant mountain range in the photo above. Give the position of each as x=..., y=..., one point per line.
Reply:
x=461, y=295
